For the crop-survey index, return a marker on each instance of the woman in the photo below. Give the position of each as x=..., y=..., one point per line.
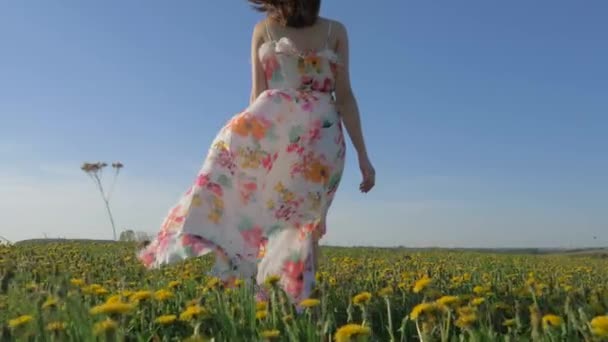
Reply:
x=261, y=198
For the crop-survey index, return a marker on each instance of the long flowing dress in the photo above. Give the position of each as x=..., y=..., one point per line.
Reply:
x=266, y=185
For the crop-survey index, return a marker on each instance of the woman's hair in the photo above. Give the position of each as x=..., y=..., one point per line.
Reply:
x=292, y=13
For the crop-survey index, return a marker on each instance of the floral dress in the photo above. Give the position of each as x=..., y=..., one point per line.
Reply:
x=262, y=195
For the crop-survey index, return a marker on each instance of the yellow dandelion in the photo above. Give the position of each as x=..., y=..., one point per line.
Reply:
x=141, y=296
x=599, y=326
x=467, y=316
x=362, y=298
x=310, y=303
x=114, y=299
x=509, y=322
x=272, y=280
x=385, y=292
x=478, y=301
x=77, y=282
x=166, y=319
x=261, y=306
x=174, y=284
x=192, y=312
x=56, y=326
x=351, y=331
x=20, y=321
x=422, y=310
x=112, y=308
x=448, y=301
x=270, y=334
x=480, y=290
x=105, y=326
x=50, y=303
x=552, y=321
x=261, y=315
x=422, y=284
x=162, y=295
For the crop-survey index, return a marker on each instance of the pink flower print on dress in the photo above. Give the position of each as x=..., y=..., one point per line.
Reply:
x=253, y=236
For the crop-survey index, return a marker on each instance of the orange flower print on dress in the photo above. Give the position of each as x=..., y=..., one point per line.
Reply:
x=317, y=172
x=247, y=124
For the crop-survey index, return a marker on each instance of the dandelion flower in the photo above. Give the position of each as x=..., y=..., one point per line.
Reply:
x=166, y=319
x=162, y=295
x=56, y=326
x=552, y=321
x=270, y=334
x=261, y=306
x=261, y=315
x=347, y=332
x=478, y=301
x=140, y=296
x=174, y=284
x=112, y=308
x=421, y=310
x=422, y=284
x=310, y=303
x=385, y=292
x=20, y=321
x=272, y=280
x=599, y=326
x=362, y=298
x=192, y=312
x=105, y=326
x=448, y=301
x=77, y=282
x=509, y=322
x=50, y=303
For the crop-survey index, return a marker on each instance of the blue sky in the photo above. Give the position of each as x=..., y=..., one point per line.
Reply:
x=486, y=120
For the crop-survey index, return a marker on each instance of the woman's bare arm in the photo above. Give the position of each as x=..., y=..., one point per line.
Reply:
x=345, y=98
x=346, y=105
x=258, y=81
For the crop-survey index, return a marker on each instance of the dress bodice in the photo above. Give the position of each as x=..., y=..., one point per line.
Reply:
x=287, y=68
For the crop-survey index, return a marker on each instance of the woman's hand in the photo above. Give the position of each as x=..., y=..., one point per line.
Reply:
x=368, y=173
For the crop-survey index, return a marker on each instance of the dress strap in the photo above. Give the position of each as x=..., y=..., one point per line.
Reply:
x=268, y=31
x=328, y=35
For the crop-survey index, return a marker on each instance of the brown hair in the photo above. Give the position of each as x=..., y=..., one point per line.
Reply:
x=292, y=13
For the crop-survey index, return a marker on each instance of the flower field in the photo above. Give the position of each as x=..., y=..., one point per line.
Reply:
x=77, y=291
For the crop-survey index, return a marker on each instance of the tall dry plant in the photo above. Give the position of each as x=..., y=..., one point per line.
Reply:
x=95, y=171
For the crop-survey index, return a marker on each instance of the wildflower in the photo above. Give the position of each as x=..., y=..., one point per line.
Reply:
x=114, y=299
x=162, y=295
x=509, y=322
x=478, y=301
x=288, y=319
x=112, y=308
x=310, y=303
x=166, y=319
x=349, y=331
x=480, y=290
x=448, y=301
x=140, y=296
x=50, y=303
x=77, y=282
x=261, y=315
x=467, y=316
x=270, y=334
x=422, y=284
x=261, y=306
x=56, y=326
x=174, y=284
x=362, y=298
x=552, y=321
x=20, y=321
x=599, y=326
x=105, y=326
x=272, y=280
x=422, y=310
x=385, y=292
x=192, y=312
